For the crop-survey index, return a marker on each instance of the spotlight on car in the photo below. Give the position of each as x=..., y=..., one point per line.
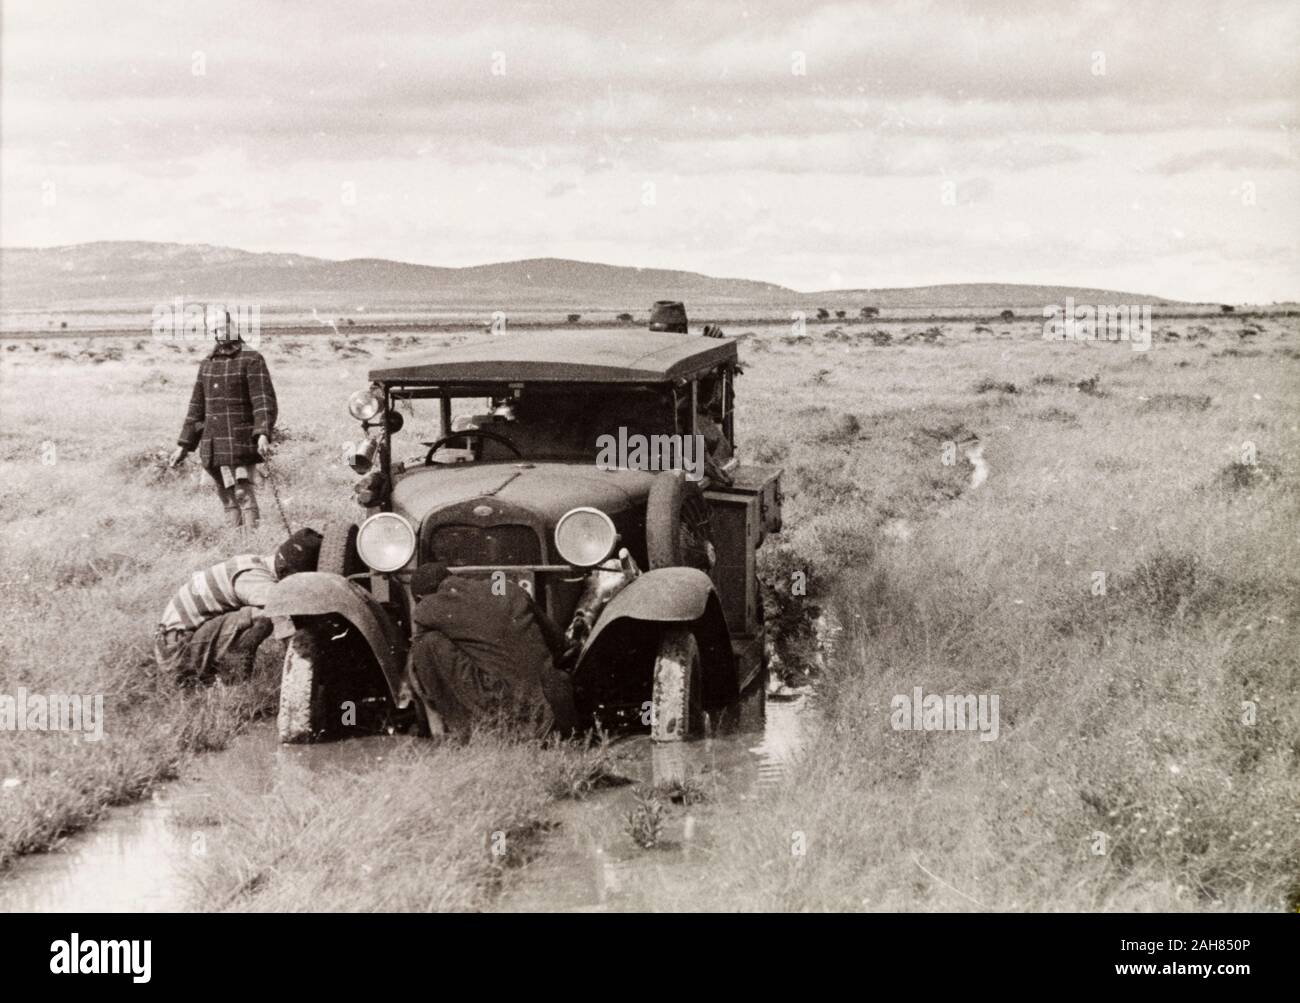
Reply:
x=385, y=542
x=585, y=536
x=361, y=456
x=364, y=405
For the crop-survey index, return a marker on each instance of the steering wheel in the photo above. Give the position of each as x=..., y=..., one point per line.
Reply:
x=481, y=432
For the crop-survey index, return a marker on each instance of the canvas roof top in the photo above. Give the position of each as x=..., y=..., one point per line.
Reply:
x=584, y=356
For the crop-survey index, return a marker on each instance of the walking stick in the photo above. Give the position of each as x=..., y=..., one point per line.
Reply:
x=275, y=493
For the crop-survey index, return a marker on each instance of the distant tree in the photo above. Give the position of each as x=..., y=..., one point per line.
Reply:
x=869, y=311
x=625, y=318
x=1007, y=316
x=64, y=324
x=574, y=318
x=1228, y=309
x=351, y=322
x=823, y=313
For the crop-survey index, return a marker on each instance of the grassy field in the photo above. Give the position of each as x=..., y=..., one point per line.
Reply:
x=435, y=828
x=1125, y=775
x=1124, y=585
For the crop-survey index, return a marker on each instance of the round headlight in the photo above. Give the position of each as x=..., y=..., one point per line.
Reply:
x=364, y=405
x=385, y=541
x=585, y=536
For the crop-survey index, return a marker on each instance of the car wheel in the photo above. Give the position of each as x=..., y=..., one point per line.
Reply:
x=330, y=684
x=677, y=529
x=302, y=711
x=338, y=550
x=676, y=711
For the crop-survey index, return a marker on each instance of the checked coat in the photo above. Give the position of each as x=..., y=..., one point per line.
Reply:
x=232, y=404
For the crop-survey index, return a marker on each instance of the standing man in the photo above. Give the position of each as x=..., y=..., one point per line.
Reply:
x=232, y=413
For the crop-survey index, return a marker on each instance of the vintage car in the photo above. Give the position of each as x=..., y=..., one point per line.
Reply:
x=539, y=467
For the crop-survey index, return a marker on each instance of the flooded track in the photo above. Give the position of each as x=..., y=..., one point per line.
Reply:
x=590, y=861
x=140, y=858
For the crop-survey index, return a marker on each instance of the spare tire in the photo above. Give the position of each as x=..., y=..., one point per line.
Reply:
x=677, y=533
x=338, y=550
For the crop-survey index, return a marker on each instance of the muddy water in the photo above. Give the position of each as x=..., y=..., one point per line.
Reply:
x=590, y=862
x=139, y=858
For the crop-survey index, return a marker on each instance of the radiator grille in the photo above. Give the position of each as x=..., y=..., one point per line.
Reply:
x=457, y=545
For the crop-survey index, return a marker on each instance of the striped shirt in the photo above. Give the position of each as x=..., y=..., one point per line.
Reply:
x=240, y=581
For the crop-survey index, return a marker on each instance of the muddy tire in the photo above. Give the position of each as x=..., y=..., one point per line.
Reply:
x=677, y=712
x=331, y=686
x=301, y=716
x=677, y=533
x=338, y=550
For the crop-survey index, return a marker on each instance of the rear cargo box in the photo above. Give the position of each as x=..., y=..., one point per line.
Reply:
x=741, y=515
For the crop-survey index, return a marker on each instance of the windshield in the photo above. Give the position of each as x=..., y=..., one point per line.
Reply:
x=543, y=423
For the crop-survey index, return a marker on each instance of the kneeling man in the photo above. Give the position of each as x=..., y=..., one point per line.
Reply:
x=486, y=654
x=216, y=615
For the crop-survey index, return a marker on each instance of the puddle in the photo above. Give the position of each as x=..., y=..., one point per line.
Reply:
x=589, y=863
x=138, y=857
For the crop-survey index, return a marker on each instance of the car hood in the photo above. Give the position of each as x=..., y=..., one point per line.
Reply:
x=547, y=489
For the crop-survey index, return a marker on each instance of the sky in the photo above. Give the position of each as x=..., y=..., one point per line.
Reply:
x=1144, y=147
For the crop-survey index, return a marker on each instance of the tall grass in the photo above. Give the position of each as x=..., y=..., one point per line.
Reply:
x=436, y=828
x=1120, y=581
x=1149, y=746
x=97, y=536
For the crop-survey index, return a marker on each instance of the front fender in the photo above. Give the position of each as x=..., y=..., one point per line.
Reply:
x=317, y=593
x=669, y=595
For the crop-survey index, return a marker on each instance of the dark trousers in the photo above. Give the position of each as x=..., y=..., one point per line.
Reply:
x=195, y=655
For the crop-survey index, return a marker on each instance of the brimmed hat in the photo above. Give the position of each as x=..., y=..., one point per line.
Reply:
x=668, y=315
x=298, y=553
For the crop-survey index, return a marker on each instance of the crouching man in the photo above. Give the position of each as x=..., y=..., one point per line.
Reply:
x=215, y=617
x=486, y=653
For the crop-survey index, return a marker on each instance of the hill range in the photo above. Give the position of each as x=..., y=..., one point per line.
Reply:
x=131, y=275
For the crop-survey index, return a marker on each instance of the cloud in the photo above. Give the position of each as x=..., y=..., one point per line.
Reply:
x=314, y=80
x=781, y=139
x=297, y=206
x=1234, y=159
x=560, y=188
